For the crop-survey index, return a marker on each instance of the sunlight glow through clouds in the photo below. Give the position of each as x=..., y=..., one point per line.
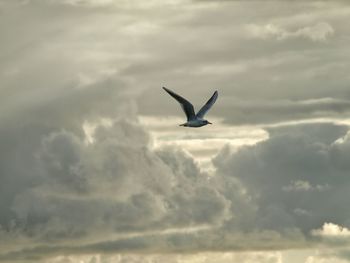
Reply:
x=199, y=143
x=205, y=143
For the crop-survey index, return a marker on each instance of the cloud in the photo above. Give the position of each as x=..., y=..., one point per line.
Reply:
x=89, y=2
x=325, y=259
x=88, y=192
x=73, y=183
x=331, y=230
x=198, y=258
x=300, y=185
x=92, y=198
x=293, y=179
x=267, y=112
x=103, y=4
x=319, y=32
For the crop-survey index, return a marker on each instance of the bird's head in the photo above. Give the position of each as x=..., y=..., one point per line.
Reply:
x=207, y=122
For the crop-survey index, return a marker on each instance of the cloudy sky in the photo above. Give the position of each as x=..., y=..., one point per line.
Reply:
x=95, y=169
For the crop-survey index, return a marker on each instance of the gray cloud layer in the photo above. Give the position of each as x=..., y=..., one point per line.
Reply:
x=67, y=65
x=297, y=178
x=278, y=191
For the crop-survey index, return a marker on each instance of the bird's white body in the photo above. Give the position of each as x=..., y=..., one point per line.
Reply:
x=195, y=123
x=193, y=120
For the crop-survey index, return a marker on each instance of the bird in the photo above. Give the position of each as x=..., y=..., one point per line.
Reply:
x=193, y=120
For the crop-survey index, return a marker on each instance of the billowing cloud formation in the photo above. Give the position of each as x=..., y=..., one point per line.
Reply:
x=146, y=200
x=115, y=185
x=297, y=178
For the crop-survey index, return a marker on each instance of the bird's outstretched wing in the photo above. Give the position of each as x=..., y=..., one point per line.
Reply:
x=200, y=114
x=185, y=104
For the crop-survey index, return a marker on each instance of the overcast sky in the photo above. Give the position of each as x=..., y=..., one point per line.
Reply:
x=95, y=168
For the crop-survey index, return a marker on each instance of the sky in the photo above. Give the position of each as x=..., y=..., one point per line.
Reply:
x=94, y=167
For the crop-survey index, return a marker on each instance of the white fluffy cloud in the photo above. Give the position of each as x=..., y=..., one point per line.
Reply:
x=331, y=230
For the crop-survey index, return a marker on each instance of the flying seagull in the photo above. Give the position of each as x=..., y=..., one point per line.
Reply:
x=193, y=120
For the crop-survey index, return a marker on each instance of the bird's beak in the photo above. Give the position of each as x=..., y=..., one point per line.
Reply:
x=209, y=122
x=182, y=125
